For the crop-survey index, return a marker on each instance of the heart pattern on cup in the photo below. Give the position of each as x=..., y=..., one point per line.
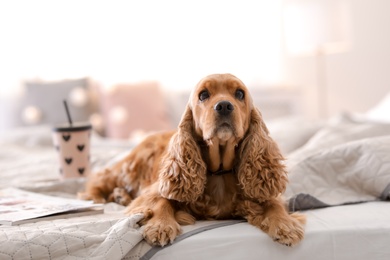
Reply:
x=68, y=160
x=80, y=147
x=66, y=137
x=73, y=150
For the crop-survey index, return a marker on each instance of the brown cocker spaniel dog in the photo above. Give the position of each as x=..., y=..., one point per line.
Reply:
x=221, y=163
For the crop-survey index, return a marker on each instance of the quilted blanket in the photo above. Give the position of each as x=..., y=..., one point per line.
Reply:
x=82, y=238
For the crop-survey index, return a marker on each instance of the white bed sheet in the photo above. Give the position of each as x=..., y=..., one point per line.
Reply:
x=353, y=232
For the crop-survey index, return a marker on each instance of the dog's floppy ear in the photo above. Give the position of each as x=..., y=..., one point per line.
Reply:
x=183, y=172
x=261, y=173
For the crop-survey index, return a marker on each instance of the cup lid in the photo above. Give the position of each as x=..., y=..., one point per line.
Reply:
x=78, y=126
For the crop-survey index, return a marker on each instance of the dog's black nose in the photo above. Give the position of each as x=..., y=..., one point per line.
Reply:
x=224, y=108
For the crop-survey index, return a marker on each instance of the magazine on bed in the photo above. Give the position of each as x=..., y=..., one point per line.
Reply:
x=18, y=207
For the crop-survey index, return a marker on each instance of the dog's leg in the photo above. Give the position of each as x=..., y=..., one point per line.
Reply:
x=272, y=217
x=160, y=225
x=120, y=196
x=100, y=187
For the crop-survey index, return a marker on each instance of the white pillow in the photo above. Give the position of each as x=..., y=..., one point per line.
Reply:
x=290, y=133
x=380, y=112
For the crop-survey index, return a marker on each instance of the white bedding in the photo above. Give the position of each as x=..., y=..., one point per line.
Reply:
x=343, y=162
x=345, y=232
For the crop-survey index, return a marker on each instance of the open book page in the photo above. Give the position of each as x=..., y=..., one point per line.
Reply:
x=17, y=206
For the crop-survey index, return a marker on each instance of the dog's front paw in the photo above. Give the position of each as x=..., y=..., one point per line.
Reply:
x=287, y=230
x=159, y=233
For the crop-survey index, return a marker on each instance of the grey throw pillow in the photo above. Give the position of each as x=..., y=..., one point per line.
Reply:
x=43, y=101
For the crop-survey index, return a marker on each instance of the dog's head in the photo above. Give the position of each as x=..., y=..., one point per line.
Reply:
x=220, y=113
x=220, y=105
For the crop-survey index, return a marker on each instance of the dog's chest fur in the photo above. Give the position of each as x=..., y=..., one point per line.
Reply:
x=219, y=199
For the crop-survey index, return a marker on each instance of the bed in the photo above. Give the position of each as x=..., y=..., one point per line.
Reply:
x=339, y=173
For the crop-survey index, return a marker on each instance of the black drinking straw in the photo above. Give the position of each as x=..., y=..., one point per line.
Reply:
x=67, y=113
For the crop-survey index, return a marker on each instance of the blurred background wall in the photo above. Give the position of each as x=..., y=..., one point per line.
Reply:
x=325, y=56
x=358, y=76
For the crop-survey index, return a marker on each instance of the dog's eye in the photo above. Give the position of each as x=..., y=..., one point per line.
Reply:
x=204, y=95
x=240, y=94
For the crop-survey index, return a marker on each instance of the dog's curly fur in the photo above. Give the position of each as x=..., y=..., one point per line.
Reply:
x=221, y=163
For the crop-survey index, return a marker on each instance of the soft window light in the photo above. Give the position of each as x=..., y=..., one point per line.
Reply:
x=173, y=42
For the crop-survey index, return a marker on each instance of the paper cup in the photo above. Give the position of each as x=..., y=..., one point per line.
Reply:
x=73, y=147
